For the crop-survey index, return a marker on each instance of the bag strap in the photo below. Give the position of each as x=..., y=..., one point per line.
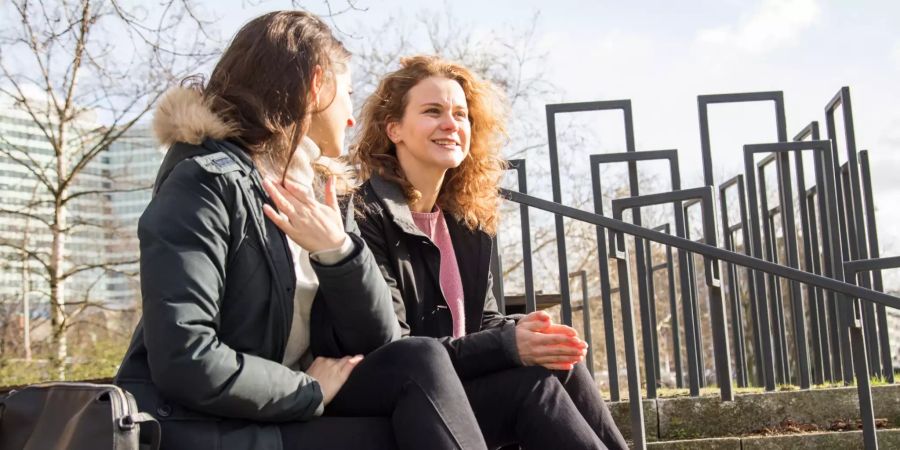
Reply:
x=149, y=427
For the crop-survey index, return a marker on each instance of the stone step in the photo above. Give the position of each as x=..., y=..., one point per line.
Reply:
x=682, y=418
x=834, y=440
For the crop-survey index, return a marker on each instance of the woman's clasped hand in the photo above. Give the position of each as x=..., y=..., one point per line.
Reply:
x=543, y=343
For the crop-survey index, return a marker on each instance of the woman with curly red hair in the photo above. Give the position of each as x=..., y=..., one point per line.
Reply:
x=429, y=153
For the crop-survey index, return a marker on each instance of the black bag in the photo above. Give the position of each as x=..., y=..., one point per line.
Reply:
x=75, y=416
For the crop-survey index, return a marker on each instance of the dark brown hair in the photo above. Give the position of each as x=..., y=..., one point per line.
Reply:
x=470, y=191
x=260, y=86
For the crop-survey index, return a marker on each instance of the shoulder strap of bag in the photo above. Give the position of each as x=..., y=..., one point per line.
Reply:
x=149, y=426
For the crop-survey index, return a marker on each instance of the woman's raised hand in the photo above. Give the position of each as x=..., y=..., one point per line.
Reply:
x=541, y=342
x=332, y=373
x=312, y=225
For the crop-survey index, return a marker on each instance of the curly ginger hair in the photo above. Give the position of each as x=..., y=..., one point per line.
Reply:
x=469, y=192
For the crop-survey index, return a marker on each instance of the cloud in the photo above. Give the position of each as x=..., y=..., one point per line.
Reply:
x=775, y=23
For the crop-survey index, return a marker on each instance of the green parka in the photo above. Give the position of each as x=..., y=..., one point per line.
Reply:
x=217, y=285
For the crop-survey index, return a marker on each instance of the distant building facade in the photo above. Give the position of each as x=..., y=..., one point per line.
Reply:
x=103, y=223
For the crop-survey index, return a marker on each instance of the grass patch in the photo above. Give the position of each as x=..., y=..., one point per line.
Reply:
x=99, y=360
x=713, y=390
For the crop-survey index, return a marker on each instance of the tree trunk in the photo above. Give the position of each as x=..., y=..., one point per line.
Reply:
x=26, y=306
x=26, y=283
x=59, y=343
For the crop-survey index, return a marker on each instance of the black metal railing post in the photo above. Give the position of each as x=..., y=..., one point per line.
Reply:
x=673, y=309
x=789, y=229
x=551, y=111
x=777, y=98
x=609, y=328
x=751, y=169
x=693, y=295
x=734, y=292
x=668, y=265
x=520, y=167
x=875, y=253
x=828, y=333
x=651, y=303
x=771, y=247
x=636, y=407
x=868, y=310
x=497, y=274
x=850, y=245
x=648, y=325
x=818, y=329
x=711, y=271
x=586, y=317
x=853, y=270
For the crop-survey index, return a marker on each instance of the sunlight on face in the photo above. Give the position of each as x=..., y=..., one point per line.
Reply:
x=328, y=127
x=433, y=135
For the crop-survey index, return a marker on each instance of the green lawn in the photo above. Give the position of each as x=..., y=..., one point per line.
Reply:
x=100, y=360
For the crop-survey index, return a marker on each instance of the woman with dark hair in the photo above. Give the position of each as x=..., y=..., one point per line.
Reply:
x=244, y=326
x=429, y=150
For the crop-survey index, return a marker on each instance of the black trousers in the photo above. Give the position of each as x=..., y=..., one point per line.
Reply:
x=405, y=395
x=540, y=409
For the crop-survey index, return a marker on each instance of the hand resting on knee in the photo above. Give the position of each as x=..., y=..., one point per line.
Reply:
x=554, y=346
x=332, y=373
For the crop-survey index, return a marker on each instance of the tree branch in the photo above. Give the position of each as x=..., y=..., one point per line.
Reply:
x=107, y=266
x=33, y=255
x=102, y=192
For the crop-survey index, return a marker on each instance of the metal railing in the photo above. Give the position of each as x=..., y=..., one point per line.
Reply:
x=713, y=254
x=846, y=315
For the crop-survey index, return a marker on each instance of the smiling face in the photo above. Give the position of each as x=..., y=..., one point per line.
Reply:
x=327, y=128
x=433, y=135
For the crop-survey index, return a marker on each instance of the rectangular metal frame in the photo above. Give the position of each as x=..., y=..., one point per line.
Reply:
x=711, y=273
x=631, y=158
x=824, y=178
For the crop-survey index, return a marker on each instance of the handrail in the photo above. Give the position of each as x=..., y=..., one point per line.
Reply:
x=850, y=290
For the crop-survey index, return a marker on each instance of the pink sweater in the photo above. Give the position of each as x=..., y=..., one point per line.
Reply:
x=435, y=227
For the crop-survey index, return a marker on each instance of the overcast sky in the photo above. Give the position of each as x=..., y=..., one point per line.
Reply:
x=662, y=54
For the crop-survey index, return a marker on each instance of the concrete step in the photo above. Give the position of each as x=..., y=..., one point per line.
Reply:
x=813, y=410
x=834, y=440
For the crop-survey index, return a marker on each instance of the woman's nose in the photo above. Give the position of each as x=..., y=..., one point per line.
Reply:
x=449, y=123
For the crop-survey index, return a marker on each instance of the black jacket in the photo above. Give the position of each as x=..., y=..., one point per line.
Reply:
x=217, y=284
x=410, y=263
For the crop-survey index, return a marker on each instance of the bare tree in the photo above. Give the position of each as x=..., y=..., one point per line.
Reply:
x=83, y=73
x=510, y=59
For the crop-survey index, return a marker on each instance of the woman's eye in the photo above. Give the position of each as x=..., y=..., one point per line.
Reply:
x=462, y=114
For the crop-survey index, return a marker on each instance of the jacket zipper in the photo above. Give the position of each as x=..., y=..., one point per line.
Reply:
x=260, y=223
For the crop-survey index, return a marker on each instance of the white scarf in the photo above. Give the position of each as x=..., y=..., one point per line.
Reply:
x=300, y=170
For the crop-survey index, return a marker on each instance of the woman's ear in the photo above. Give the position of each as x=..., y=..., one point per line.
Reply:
x=392, y=132
x=315, y=87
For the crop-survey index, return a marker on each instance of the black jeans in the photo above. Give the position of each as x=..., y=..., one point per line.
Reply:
x=540, y=409
x=405, y=395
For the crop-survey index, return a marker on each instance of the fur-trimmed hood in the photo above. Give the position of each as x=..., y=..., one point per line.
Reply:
x=183, y=115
